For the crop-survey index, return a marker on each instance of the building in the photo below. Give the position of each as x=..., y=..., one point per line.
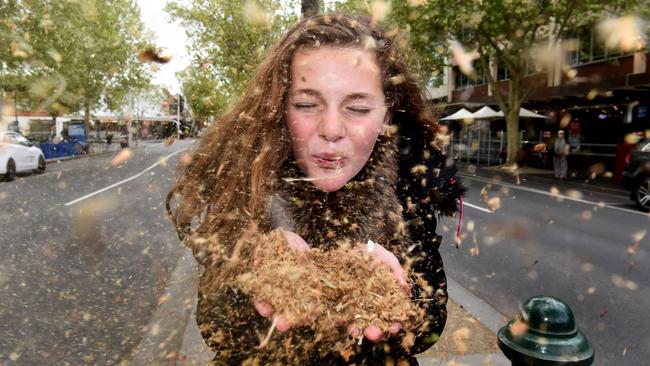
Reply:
x=598, y=95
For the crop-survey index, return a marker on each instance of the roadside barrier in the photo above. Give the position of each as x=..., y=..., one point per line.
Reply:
x=61, y=149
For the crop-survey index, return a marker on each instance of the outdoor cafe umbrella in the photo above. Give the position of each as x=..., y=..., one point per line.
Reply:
x=461, y=114
x=487, y=112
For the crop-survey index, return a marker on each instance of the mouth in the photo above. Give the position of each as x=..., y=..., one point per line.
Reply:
x=329, y=161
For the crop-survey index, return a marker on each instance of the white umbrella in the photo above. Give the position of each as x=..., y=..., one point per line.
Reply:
x=487, y=112
x=523, y=112
x=461, y=114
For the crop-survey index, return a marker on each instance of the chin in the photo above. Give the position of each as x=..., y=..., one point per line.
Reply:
x=330, y=184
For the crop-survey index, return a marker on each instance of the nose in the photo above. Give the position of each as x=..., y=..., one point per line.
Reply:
x=331, y=127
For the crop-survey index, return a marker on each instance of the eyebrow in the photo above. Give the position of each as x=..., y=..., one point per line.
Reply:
x=315, y=93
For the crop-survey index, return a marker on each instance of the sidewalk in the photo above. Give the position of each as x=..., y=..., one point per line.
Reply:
x=469, y=337
x=580, y=179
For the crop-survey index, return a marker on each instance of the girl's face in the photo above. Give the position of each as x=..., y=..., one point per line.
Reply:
x=335, y=112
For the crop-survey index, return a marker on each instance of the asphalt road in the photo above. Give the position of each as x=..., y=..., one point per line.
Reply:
x=79, y=282
x=586, y=247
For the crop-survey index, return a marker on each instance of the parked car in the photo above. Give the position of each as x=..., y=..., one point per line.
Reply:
x=19, y=155
x=636, y=174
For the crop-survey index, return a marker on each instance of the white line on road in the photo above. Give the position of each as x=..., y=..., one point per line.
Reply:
x=123, y=181
x=476, y=207
x=565, y=197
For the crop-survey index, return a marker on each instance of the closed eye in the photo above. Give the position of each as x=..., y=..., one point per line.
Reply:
x=359, y=110
x=304, y=105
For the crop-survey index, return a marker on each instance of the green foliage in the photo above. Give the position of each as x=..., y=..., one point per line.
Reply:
x=67, y=55
x=227, y=41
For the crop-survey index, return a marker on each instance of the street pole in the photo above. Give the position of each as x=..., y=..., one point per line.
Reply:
x=178, y=116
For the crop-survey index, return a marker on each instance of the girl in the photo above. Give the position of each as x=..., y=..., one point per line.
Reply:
x=330, y=142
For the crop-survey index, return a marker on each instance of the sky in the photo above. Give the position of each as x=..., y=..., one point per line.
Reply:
x=170, y=37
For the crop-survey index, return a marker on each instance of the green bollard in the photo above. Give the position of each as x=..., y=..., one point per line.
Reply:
x=545, y=333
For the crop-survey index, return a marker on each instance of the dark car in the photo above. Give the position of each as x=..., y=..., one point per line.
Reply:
x=636, y=175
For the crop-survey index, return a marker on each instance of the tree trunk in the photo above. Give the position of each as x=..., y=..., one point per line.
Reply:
x=512, y=120
x=87, y=118
x=309, y=8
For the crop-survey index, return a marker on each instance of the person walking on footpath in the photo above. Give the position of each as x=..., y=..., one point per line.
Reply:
x=312, y=206
x=560, y=153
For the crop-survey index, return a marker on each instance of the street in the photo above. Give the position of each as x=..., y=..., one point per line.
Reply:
x=79, y=282
x=589, y=248
x=87, y=251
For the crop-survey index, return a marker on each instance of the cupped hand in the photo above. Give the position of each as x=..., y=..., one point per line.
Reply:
x=376, y=251
x=381, y=254
x=298, y=244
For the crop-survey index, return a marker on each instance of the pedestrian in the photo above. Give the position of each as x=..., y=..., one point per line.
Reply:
x=560, y=153
x=330, y=148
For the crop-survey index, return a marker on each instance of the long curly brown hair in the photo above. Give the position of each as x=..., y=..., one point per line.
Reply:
x=227, y=185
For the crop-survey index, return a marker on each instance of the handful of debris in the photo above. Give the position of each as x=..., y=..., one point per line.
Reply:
x=327, y=290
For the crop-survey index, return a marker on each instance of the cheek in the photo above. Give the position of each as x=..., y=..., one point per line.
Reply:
x=364, y=136
x=299, y=132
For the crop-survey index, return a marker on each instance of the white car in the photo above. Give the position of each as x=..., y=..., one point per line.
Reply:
x=18, y=155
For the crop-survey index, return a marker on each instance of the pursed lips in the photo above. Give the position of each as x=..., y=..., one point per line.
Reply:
x=329, y=161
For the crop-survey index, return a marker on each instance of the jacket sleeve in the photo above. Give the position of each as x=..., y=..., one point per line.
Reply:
x=429, y=187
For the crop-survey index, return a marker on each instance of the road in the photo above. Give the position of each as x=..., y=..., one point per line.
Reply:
x=82, y=268
x=86, y=251
x=586, y=247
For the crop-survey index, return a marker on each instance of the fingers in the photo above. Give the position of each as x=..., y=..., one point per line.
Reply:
x=394, y=328
x=380, y=253
x=282, y=324
x=295, y=242
x=263, y=308
x=266, y=310
x=373, y=333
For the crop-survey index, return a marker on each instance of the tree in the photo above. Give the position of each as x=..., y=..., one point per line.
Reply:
x=503, y=33
x=227, y=41
x=74, y=55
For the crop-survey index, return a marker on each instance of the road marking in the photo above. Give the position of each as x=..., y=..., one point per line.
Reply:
x=476, y=207
x=565, y=197
x=123, y=181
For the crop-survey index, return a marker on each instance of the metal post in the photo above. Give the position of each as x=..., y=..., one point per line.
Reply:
x=501, y=150
x=489, y=147
x=478, y=148
x=469, y=145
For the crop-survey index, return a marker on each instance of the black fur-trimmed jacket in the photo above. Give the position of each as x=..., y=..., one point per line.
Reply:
x=405, y=181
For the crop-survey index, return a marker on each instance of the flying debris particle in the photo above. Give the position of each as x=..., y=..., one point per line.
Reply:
x=585, y=215
x=87, y=316
x=371, y=246
x=493, y=204
x=470, y=225
x=55, y=55
x=632, y=138
x=593, y=93
x=532, y=275
x=151, y=55
x=591, y=290
x=471, y=169
x=122, y=157
x=564, y=121
x=397, y=79
x=624, y=33
x=14, y=356
x=185, y=159
x=163, y=299
x=463, y=58
x=379, y=10
x=587, y=267
x=574, y=193
x=255, y=14
x=170, y=140
x=518, y=328
x=637, y=237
